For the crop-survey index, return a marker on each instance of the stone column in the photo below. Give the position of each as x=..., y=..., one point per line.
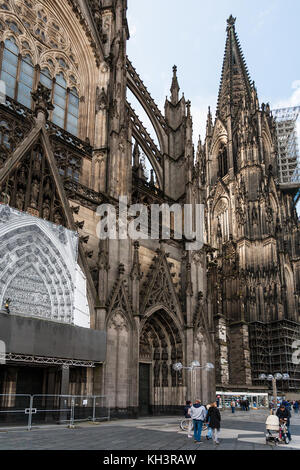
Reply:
x=240, y=354
x=10, y=387
x=98, y=380
x=50, y=401
x=221, y=358
x=64, y=390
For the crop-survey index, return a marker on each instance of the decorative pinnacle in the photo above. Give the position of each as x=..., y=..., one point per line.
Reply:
x=175, y=87
x=231, y=22
x=188, y=107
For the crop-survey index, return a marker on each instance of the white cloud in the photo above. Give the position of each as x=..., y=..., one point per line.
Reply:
x=264, y=16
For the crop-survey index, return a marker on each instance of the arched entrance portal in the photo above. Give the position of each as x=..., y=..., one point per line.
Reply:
x=161, y=389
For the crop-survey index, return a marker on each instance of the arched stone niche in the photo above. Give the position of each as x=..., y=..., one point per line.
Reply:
x=38, y=269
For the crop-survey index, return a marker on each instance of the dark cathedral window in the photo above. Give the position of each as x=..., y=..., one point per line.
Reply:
x=222, y=161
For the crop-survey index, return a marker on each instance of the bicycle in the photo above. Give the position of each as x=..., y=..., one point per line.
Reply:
x=184, y=425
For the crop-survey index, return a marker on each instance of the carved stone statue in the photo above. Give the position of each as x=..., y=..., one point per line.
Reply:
x=20, y=197
x=34, y=193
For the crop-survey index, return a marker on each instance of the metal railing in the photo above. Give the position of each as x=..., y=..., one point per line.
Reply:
x=36, y=410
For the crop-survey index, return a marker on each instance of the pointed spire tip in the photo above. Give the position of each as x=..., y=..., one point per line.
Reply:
x=231, y=21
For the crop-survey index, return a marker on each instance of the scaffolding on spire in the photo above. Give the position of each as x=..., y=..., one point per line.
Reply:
x=288, y=149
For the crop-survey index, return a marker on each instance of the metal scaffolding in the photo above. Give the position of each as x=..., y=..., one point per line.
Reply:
x=11, y=357
x=288, y=149
x=271, y=351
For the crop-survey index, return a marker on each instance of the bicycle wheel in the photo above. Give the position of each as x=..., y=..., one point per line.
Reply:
x=184, y=425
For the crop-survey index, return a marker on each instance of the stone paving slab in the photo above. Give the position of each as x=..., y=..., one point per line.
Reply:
x=157, y=434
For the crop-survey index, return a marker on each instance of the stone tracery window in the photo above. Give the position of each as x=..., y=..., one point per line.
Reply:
x=9, y=66
x=26, y=81
x=18, y=73
x=65, y=100
x=60, y=101
x=222, y=161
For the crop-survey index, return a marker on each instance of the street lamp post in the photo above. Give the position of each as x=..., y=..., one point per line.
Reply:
x=273, y=379
x=195, y=365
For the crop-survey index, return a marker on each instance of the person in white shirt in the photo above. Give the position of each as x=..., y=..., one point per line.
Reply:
x=198, y=414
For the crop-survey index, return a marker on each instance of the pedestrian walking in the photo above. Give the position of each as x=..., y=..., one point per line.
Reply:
x=233, y=405
x=214, y=417
x=247, y=404
x=198, y=414
x=296, y=407
x=209, y=430
x=187, y=415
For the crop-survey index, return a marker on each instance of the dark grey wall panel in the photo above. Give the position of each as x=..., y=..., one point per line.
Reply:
x=36, y=337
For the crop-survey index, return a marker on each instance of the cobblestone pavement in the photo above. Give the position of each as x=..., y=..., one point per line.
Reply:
x=241, y=431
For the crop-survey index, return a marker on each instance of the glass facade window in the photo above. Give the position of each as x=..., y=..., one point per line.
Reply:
x=60, y=101
x=10, y=67
x=73, y=112
x=45, y=78
x=26, y=81
x=18, y=73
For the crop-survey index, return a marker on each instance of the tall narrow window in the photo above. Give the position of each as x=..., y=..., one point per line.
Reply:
x=222, y=161
x=60, y=101
x=73, y=112
x=45, y=79
x=65, y=101
x=26, y=80
x=9, y=70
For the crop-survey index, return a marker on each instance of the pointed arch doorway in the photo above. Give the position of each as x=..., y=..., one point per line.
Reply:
x=161, y=389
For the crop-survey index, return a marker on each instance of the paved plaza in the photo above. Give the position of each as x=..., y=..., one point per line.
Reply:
x=241, y=431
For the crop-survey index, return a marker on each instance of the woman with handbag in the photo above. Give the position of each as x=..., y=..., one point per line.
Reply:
x=209, y=430
x=214, y=417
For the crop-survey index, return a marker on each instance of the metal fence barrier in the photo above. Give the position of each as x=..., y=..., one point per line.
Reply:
x=34, y=410
x=14, y=410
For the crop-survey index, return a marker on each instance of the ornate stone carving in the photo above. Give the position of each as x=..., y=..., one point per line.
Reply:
x=33, y=273
x=118, y=322
x=4, y=213
x=42, y=100
x=159, y=288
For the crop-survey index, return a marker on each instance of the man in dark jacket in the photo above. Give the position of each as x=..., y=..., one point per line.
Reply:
x=214, y=419
x=284, y=413
x=187, y=415
x=188, y=405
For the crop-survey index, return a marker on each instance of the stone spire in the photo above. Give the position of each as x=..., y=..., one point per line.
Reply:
x=209, y=124
x=201, y=162
x=175, y=87
x=235, y=80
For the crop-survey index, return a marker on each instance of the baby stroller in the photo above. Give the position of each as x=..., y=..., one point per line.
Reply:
x=276, y=431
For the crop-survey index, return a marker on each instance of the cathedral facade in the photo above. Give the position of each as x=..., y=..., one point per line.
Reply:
x=70, y=142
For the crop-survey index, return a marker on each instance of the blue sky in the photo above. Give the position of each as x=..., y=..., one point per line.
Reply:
x=192, y=33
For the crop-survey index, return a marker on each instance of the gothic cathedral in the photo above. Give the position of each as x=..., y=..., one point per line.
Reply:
x=69, y=142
